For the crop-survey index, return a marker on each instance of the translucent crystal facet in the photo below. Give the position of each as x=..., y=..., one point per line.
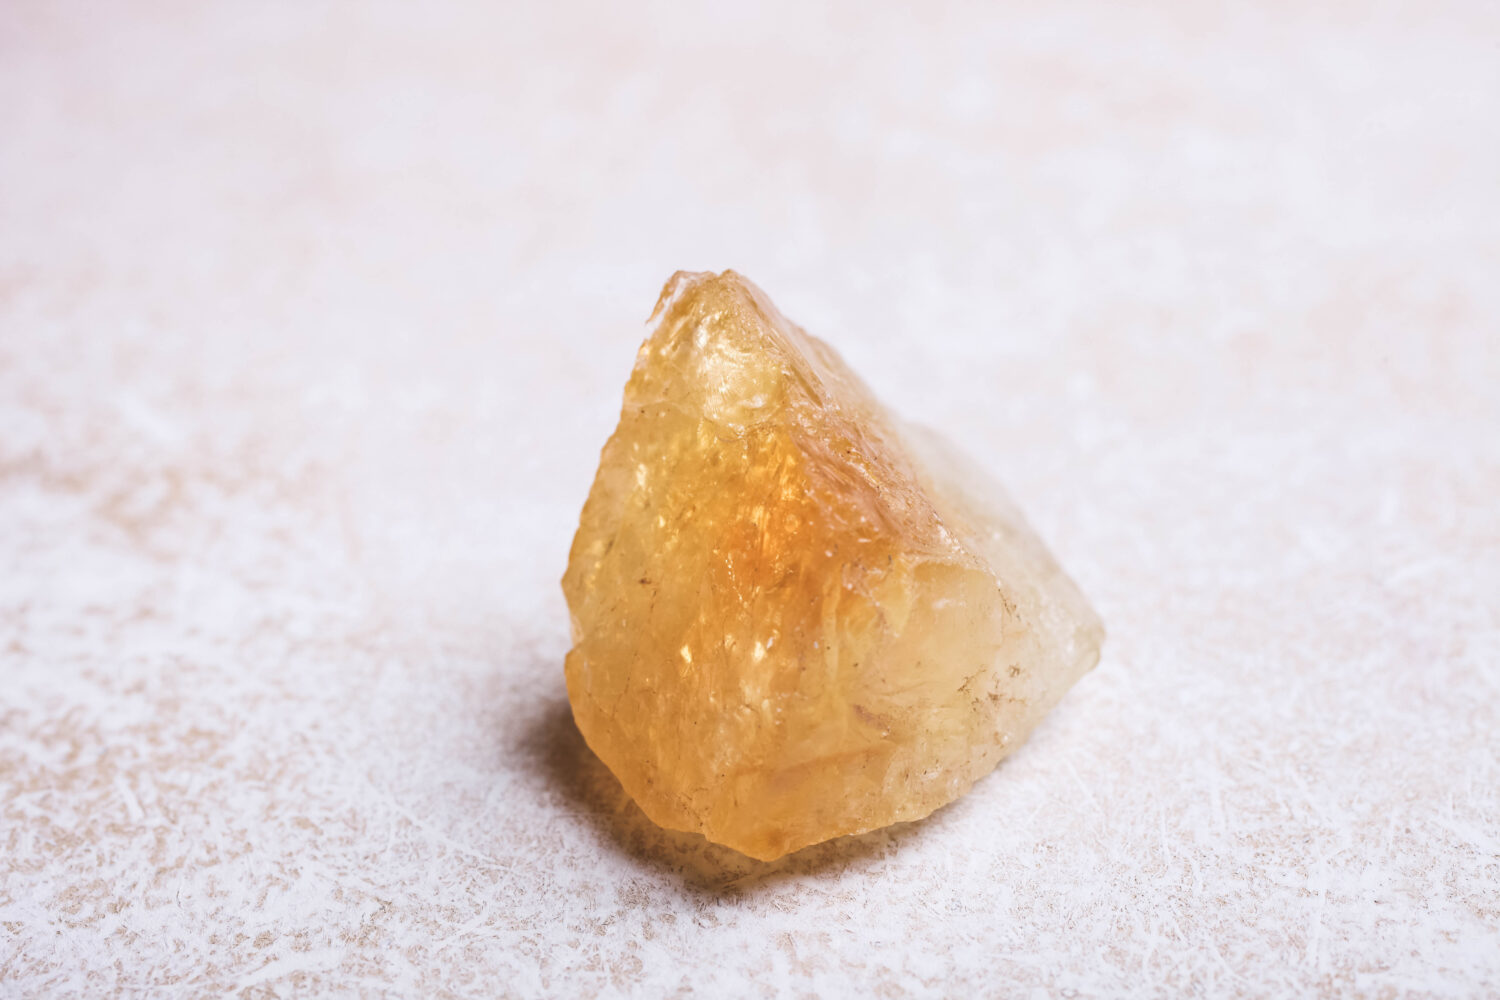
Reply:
x=795, y=617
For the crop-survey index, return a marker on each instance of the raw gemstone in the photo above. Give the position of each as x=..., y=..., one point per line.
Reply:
x=794, y=616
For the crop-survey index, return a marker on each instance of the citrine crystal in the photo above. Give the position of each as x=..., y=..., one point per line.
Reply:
x=795, y=617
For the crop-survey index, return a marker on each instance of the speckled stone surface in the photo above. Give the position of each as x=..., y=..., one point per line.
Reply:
x=312, y=320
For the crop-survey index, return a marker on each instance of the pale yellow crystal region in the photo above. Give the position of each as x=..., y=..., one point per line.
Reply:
x=795, y=617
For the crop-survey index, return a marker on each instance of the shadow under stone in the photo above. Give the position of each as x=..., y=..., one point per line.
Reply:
x=590, y=792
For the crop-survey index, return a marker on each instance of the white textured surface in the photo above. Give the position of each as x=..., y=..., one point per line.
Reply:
x=314, y=317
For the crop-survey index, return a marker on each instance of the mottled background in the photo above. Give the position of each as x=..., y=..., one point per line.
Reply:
x=313, y=317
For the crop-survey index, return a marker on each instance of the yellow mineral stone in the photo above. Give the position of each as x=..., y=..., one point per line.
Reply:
x=794, y=616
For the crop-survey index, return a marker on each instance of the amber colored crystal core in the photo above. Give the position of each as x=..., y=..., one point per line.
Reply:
x=795, y=617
